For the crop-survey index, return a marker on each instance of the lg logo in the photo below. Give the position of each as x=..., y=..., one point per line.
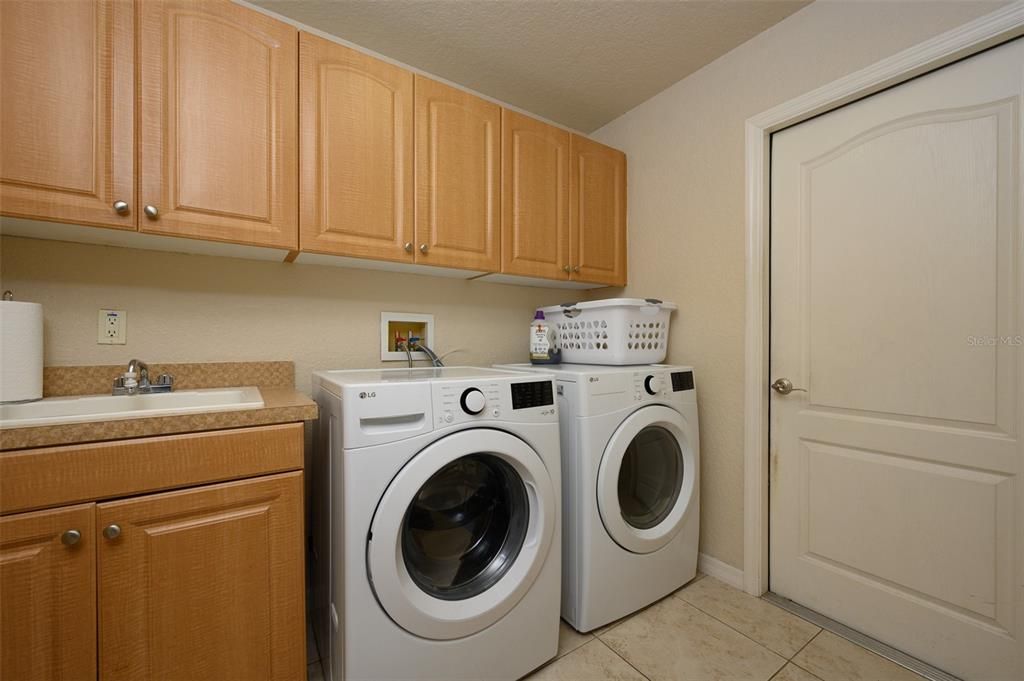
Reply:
x=364, y=396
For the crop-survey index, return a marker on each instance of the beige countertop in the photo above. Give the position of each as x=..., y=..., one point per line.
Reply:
x=281, y=404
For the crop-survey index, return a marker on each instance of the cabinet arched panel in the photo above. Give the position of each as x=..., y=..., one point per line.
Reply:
x=535, y=198
x=67, y=73
x=218, y=114
x=356, y=153
x=597, y=212
x=458, y=172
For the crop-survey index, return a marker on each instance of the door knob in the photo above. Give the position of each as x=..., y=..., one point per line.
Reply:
x=70, y=537
x=112, y=531
x=151, y=212
x=120, y=207
x=784, y=386
x=408, y=247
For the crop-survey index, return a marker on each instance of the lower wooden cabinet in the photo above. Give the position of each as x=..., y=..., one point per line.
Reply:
x=48, y=595
x=203, y=584
x=206, y=582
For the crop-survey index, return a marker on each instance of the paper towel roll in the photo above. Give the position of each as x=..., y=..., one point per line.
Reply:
x=21, y=351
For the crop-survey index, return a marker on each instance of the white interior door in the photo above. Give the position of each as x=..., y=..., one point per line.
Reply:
x=896, y=302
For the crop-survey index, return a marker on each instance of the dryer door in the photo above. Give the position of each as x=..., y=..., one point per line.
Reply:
x=647, y=479
x=461, y=533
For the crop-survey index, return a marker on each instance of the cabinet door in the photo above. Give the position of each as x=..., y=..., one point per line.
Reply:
x=204, y=583
x=48, y=592
x=356, y=154
x=218, y=139
x=534, y=197
x=67, y=111
x=458, y=171
x=597, y=213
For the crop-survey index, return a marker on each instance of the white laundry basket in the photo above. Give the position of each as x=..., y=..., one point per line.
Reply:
x=616, y=331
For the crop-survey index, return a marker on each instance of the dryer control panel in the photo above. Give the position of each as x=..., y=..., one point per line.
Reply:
x=652, y=384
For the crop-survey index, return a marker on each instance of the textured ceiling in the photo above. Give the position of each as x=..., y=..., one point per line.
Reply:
x=580, y=63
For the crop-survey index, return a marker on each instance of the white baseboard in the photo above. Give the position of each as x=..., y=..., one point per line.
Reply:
x=723, y=572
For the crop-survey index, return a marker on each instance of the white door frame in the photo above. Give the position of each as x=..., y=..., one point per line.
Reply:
x=999, y=26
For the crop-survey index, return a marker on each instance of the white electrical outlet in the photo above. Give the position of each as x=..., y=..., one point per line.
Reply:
x=112, y=327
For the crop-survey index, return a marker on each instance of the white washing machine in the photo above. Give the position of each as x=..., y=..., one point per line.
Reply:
x=631, y=486
x=436, y=523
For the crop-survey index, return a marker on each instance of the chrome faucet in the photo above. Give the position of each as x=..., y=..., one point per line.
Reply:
x=140, y=370
x=136, y=381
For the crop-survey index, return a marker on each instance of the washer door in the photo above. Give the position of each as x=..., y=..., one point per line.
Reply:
x=461, y=533
x=647, y=479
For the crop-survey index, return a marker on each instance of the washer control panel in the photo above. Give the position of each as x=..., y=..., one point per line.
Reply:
x=532, y=394
x=521, y=400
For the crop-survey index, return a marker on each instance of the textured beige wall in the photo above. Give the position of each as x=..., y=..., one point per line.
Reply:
x=193, y=308
x=686, y=203
x=685, y=150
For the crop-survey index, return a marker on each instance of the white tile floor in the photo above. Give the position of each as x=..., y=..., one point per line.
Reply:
x=707, y=631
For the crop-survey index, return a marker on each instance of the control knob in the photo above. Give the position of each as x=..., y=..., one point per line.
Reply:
x=473, y=401
x=652, y=384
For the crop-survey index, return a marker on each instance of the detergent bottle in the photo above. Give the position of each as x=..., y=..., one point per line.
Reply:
x=542, y=342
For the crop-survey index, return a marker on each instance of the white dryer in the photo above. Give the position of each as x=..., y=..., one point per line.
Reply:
x=436, y=523
x=631, y=486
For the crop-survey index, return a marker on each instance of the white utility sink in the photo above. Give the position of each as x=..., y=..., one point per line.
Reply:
x=52, y=411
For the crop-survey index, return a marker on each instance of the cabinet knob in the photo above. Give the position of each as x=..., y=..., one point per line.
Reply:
x=70, y=537
x=408, y=247
x=112, y=531
x=566, y=268
x=151, y=212
x=424, y=248
x=121, y=207
x=576, y=269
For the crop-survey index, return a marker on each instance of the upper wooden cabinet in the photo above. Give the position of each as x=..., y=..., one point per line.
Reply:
x=249, y=133
x=204, y=583
x=534, y=198
x=218, y=109
x=67, y=74
x=597, y=212
x=356, y=154
x=458, y=173
x=48, y=591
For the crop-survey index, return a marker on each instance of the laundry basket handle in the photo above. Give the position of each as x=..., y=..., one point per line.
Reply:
x=570, y=310
x=652, y=307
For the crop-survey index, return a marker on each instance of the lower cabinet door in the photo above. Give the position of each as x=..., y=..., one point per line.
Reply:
x=205, y=583
x=48, y=595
